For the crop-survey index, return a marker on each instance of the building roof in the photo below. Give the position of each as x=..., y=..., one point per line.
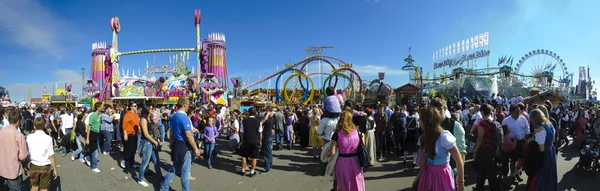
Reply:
x=36, y=100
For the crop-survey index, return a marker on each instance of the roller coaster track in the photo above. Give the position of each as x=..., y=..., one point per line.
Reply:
x=310, y=59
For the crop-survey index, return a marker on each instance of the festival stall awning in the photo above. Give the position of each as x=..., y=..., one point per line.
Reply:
x=137, y=98
x=540, y=97
x=407, y=89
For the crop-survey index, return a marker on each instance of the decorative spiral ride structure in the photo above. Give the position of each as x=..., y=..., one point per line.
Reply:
x=306, y=84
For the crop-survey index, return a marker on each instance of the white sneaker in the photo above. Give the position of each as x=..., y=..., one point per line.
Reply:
x=96, y=170
x=72, y=158
x=192, y=178
x=104, y=153
x=143, y=183
x=87, y=162
x=122, y=163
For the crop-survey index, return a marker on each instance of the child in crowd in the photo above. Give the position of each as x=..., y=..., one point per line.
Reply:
x=41, y=152
x=331, y=104
x=209, y=135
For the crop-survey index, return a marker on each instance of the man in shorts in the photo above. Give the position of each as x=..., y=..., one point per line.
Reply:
x=41, y=152
x=251, y=140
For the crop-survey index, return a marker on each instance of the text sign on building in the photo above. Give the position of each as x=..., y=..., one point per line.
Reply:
x=468, y=49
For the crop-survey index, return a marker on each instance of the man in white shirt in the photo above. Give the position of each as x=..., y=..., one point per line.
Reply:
x=67, y=120
x=520, y=99
x=41, y=153
x=519, y=128
x=476, y=117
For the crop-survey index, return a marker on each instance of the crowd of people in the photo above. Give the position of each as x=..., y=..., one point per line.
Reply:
x=440, y=135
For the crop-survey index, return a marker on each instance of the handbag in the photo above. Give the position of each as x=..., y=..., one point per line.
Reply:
x=363, y=154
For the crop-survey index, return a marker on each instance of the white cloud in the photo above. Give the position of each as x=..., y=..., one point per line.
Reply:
x=373, y=70
x=30, y=26
x=20, y=91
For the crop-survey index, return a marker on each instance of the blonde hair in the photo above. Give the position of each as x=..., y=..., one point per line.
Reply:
x=537, y=117
x=544, y=110
x=345, y=123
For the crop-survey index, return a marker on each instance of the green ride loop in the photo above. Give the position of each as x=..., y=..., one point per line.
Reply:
x=337, y=74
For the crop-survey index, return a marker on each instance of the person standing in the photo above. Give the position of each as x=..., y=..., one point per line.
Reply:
x=437, y=146
x=209, y=135
x=267, y=141
x=279, y=119
x=131, y=129
x=397, y=123
x=234, y=126
x=316, y=141
x=381, y=128
x=182, y=144
x=14, y=153
x=485, y=151
x=41, y=149
x=67, y=121
x=107, y=128
x=251, y=139
x=544, y=177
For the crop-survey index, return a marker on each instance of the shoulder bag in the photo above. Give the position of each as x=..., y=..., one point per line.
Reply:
x=363, y=154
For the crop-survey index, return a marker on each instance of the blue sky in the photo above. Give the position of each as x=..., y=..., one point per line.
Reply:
x=48, y=42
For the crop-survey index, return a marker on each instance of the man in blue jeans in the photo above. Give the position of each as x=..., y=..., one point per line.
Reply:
x=106, y=128
x=182, y=144
x=267, y=141
x=278, y=119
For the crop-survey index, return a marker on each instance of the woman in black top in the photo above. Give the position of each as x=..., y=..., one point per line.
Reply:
x=303, y=128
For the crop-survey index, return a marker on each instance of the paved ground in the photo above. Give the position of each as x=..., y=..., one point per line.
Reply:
x=293, y=170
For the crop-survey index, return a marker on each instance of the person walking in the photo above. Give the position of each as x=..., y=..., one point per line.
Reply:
x=93, y=134
x=80, y=137
x=182, y=145
x=14, y=153
x=348, y=172
x=150, y=146
x=267, y=140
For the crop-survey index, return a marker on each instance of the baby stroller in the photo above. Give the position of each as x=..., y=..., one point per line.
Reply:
x=589, y=163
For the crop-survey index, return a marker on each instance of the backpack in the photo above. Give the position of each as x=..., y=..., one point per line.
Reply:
x=398, y=121
x=497, y=134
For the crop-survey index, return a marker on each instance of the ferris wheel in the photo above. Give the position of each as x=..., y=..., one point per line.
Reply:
x=547, y=66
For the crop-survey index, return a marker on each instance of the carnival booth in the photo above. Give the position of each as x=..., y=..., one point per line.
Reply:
x=148, y=88
x=537, y=97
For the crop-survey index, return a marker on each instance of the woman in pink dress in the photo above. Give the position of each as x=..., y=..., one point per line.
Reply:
x=348, y=172
x=437, y=146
